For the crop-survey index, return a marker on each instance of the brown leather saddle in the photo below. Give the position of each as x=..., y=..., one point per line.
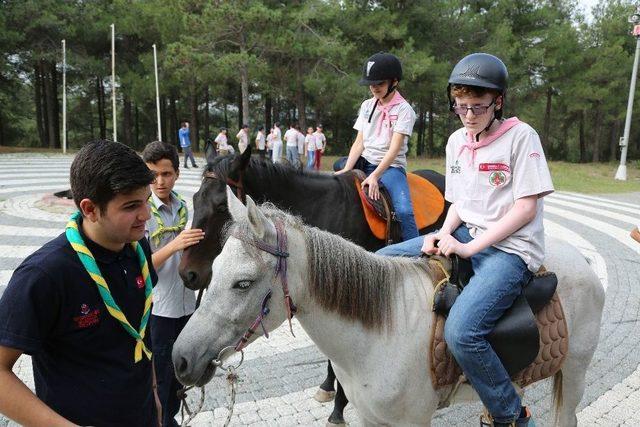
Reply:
x=531, y=338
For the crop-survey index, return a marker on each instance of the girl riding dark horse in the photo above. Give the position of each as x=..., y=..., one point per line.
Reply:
x=322, y=200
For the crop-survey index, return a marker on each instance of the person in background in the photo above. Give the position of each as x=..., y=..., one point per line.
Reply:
x=291, y=136
x=243, y=138
x=185, y=142
x=310, y=147
x=260, y=142
x=321, y=144
x=276, y=141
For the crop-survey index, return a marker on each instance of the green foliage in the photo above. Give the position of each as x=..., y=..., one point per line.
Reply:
x=569, y=77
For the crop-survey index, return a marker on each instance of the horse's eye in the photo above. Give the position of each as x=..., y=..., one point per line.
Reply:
x=243, y=285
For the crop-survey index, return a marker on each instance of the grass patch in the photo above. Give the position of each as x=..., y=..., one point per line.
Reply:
x=579, y=177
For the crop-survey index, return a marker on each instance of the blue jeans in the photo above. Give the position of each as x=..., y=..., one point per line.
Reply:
x=497, y=281
x=188, y=154
x=395, y=181
x=310, y=158
x=292, y=155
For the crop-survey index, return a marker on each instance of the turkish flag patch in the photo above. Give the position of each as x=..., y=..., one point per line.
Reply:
x=492, y=167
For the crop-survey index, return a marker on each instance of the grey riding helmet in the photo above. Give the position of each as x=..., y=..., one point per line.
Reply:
x=480, y=70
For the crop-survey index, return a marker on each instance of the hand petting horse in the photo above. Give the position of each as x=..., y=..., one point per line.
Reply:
x=369, y=314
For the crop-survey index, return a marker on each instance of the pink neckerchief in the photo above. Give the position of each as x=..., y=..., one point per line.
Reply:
x=397, y=99
x=488, y=139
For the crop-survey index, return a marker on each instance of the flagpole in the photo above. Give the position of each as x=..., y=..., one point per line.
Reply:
x=113, y=79
x=64, y=97
x=155, y=67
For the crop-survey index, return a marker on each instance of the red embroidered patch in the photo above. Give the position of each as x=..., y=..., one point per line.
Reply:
x=92, y=317
x=491, y=167
x=140, y=282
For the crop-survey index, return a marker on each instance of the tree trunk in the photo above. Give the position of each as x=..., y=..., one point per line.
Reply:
x=595, y=155
x=226, y=117
x=546, y=144
x=57, y=140
x=136, y=118
x=102, y=118
x=205, y=119
x=276, y=110
x=127, y=121
x=300, y=101
x=240, y=109
x=195, y=136
x=163, y=114
x=267, y=111
x=420, y=145
x=50, y=100
x=244, y=87
x=173, y=126
x=614, y=141
x=583, y=142
x=430, y=141
x=37, y=86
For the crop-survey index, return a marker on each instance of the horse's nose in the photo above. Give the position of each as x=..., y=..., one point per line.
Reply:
x=181, y=366
x=192, y=276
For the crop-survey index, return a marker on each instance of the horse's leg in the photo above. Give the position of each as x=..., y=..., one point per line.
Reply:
x=327, y=392
x=337, y=416
x=574, y=370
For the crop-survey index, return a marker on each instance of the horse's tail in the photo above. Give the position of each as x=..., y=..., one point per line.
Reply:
x=557, y=395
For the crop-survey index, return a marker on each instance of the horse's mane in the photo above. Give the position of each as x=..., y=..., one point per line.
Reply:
x=345, y=278
x=267, y=175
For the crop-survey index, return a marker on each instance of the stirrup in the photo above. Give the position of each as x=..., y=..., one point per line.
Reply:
x=486, y=420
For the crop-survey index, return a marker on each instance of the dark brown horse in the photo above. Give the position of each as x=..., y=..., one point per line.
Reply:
x=322, y=200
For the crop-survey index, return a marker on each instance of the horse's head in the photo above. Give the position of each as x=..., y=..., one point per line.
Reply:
x=210, y=213
x=246, y=287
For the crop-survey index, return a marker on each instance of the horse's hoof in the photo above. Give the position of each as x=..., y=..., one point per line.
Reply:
x=323, y=396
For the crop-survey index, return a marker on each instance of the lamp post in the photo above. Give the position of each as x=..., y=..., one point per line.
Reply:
x=621, y=173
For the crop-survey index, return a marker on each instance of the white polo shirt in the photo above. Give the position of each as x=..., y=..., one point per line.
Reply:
x=243, y=140
x=310, y=142
x=291, y=136
x=511, y=167
x=221, y=140
x=401, y=117
x=320, y=139
x=260, y=140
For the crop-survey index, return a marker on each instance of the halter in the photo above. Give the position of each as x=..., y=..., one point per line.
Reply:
x=280, y=252
x=238, y=185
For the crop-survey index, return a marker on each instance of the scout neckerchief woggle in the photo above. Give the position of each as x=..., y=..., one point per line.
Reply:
x=89, y=263
x=182, y=213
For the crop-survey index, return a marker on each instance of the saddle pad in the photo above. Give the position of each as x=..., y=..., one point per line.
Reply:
x=427, y=201
x=554, y=346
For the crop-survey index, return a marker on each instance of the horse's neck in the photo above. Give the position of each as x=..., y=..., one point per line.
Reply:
x=294, y=192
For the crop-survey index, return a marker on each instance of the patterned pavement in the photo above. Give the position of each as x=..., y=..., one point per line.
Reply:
x=280, y=375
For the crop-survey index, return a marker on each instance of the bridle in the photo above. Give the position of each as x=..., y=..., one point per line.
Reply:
x=280, y=252
x=237, y=185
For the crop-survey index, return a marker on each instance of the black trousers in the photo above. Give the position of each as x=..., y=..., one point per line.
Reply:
x=164, y=331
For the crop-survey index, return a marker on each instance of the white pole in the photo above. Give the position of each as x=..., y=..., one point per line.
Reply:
x=621, y=173
x=64, y=97
x=155, y=67
x=113, y=79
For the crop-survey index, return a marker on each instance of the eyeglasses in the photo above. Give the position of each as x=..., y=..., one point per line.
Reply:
x=477, y=110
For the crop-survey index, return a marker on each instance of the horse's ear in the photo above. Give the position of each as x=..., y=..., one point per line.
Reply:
x=240, y=163
x=259, y=222
x=237, y=210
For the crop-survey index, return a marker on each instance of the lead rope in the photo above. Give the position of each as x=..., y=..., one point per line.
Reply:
x=232, y=379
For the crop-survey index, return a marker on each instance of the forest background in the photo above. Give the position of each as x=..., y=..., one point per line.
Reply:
x=224, y=63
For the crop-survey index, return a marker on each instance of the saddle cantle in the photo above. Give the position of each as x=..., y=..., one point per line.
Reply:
x=427, y=200
x=530, y=339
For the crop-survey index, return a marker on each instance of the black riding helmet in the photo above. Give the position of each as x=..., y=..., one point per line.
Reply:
x=480, y=70
x=379, y=68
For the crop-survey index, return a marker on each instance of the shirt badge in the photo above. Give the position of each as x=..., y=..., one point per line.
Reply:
x=496, y=179
x=455, y=168
x=87, y=317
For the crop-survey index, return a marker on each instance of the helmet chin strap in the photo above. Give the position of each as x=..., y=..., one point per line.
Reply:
x=390, y=88
x=493, y=118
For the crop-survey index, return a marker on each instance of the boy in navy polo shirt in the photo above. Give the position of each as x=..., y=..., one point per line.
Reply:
x=173, y=303
x=86, y=333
